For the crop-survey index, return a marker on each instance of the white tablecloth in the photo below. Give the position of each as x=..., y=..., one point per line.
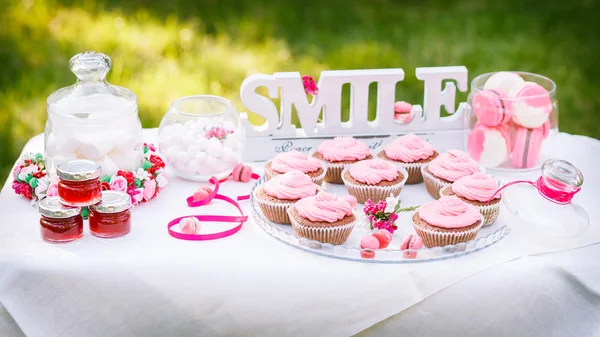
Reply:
x=149, y=284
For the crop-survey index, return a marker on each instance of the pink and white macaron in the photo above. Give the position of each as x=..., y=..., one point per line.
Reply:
x=491, y=146
x=489, y=107
x=530, y=105
x=528, y=145
x=503, y=81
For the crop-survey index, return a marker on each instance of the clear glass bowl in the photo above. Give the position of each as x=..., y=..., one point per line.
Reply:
x=93, y=120
x=514, y=119
x=350, y=250
x=201, y=136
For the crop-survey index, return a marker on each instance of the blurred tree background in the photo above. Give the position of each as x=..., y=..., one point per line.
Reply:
x=166, y=49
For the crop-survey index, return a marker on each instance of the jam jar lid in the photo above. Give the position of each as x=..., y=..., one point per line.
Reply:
x=78, y=170
x=113, y=202
x=52, y=208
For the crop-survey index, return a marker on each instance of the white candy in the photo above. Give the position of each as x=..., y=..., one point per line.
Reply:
x=200, y=158
x=192, y=167
x=182, y=158
x=108, y=166
x=230, y=143
x=229, y=155
x=202, y=143
x=177, y=129
x=211, y=163
x=199, y=128
x=189, y=125
x=193, y=150
x=188, y=139
x=172, y=153
x=215, y=148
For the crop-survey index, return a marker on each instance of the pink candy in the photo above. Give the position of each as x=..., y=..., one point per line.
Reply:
x=202, y=193
x=189, y=225
x=411, y=242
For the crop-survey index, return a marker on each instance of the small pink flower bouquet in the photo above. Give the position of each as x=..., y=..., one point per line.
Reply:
x=383, y=215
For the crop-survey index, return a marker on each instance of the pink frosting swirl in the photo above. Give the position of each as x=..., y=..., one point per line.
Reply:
x=478, y=186
x=373, y=171
x=409, y=148
x=324, y=207
x=449, y=212
x=294, y=160
x=453, y=165
x=293, y=185
x=343, y=148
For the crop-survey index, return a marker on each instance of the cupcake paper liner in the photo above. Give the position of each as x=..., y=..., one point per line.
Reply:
x=373, y=192
x=334, y=173
x=275, y=211
x=489, y=212
x=441, y=239
x=335, y=235
x=414, y=172
x=317, y=180
x=433, y=184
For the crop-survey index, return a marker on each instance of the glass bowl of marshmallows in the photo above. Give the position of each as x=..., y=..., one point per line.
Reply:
x=201, y=136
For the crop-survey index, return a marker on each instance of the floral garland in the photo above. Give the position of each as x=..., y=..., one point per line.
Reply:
x=384, y=214
x=32, y=181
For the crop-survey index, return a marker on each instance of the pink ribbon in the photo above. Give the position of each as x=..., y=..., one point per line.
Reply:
x=213, y=218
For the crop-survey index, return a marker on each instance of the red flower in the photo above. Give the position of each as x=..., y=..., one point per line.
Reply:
x=24, y=190
x=105, y=186
x=128, y=176
x=157, y=162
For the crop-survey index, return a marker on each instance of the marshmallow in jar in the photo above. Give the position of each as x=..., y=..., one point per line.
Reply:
x=201, y=136
x=93, y=120
x=514, y=117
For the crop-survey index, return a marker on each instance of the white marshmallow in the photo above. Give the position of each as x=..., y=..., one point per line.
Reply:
x=229, y=155
x=51, y=145
x=188, y=139
x=215, y=148
x=108, y=166
x=177, y=129
x=66, y=145
x=230, y=143
x=495, y=149
x=199, y=128
x=172, y=152
x=126, y=144
x=126, y=162
x=528, y=116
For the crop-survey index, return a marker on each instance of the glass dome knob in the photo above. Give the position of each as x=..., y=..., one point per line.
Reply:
x=90, y=65
x=561, y=175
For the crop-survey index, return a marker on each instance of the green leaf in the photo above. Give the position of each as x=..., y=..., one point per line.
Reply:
x=146, y=164
x=85, y=212
x=145, y=149
x=138, y=183
x=33, y=182
x=29, y=176
x=105, y=179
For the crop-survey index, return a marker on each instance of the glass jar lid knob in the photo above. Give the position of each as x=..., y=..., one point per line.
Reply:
x=90, y=65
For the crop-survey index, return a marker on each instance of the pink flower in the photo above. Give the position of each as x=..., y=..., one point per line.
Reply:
x=161, y=179
x=368, y=206
x=393, y=217
x=149, y=189
x=15, y=171
x=137, y=196
x=310, y=87
x=118, y=183
x=52, y=188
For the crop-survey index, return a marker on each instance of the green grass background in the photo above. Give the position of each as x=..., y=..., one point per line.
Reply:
x=166, y=49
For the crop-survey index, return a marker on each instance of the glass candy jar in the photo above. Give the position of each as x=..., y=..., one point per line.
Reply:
x=513, y=118
x=201, y=136
x=93, y=120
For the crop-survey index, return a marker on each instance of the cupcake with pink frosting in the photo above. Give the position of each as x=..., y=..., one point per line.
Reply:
x=338, y=153
x=447, y=221
x=295, y=160
x=411, y=152
x=275, y=196
x=374, y=179
x=446, y=169
x=324, y=217
x=476, y=190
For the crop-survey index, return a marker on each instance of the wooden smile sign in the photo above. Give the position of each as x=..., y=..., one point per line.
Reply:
x=278, y=134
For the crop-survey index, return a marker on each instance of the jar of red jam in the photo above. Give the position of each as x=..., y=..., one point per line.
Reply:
x=59, y=223
x=112, y=216
x=79, y=183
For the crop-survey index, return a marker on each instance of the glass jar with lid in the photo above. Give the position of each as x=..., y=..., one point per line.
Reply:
x=93, y=120
x=201, y=136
